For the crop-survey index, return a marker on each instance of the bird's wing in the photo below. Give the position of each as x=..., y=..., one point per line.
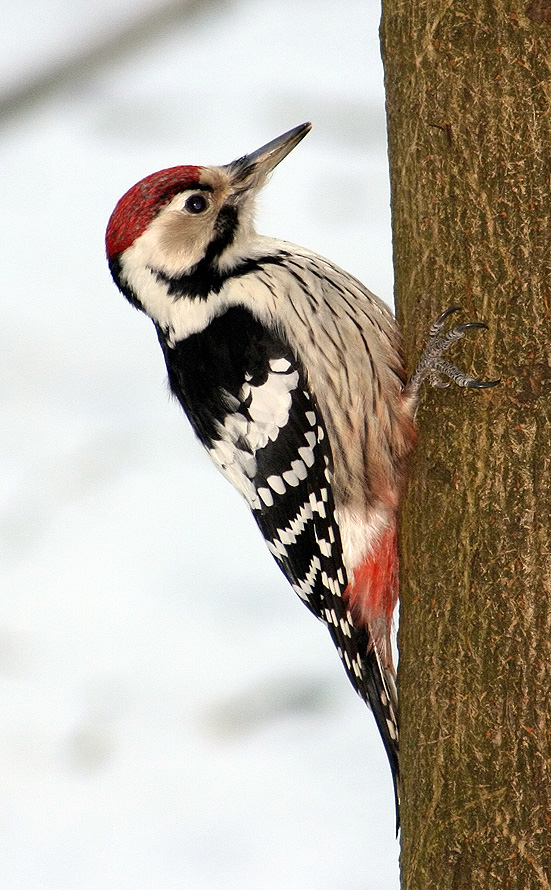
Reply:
x=248, y=399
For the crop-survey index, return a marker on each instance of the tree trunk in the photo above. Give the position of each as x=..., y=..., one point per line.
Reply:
x=469, y=121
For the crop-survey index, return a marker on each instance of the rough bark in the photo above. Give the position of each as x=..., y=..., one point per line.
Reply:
x=469, y=121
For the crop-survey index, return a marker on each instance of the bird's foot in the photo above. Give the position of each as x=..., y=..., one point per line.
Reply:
x=432, y=366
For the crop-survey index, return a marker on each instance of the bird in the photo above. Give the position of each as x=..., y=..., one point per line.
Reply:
x=293, y=377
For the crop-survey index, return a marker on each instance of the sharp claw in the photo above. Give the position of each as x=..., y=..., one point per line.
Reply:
x=469, y=325
x=432, y=365
x=446, y=313
x=482, y=384
x=438, y=323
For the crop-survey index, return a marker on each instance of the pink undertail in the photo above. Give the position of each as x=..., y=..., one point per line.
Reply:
x=373, y=593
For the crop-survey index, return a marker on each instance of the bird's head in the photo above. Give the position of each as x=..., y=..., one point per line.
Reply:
x=174, y=220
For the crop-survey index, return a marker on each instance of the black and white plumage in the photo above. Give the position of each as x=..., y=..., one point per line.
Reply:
x=292, y=375
x=247, y=398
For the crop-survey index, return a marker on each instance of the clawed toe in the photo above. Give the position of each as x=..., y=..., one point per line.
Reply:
x=432, y=366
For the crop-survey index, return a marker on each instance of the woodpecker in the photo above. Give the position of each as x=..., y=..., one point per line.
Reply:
x=292, y=375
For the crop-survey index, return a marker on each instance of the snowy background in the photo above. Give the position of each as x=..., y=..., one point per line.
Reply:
x=171, y=714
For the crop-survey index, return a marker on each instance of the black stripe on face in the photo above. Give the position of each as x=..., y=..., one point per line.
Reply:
x=206, y=278
x=224, y=232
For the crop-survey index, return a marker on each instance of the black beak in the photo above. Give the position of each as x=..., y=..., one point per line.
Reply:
x=252, y=170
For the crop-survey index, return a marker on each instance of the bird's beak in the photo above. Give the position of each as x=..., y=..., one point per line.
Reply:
x=252, y=170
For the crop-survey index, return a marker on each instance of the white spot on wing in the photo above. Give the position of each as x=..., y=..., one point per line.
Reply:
x=286, y=537
x=277, y=484
x=235, y=426
x=266, y=496
x=238, y=467
x=248, y=462
x=304, y=515
x=307, y=455
x=241, y=436
x=271, y=402
x=305, y=587
x=291, y=478
x=299, y=468
x=277, y=548
x=345, y=627
x=279, y=364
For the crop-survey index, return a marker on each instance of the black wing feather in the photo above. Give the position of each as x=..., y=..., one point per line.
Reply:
x=247, y=397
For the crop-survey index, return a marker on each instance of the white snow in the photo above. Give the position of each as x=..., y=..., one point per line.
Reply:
x=171, y=714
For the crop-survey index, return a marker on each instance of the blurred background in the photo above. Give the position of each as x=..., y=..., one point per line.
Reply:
x=171, y=714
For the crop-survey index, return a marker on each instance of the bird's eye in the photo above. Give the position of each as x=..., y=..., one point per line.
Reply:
x=196, y=204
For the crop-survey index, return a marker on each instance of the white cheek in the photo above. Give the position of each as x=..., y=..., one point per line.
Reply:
x=151, y=293
x=174, y=242
x=181, y=242
x=178, y=317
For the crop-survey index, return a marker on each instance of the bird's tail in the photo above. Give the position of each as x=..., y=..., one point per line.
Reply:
x=382, y=698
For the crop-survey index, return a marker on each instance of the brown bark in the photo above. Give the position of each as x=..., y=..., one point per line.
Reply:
x=468, y=98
